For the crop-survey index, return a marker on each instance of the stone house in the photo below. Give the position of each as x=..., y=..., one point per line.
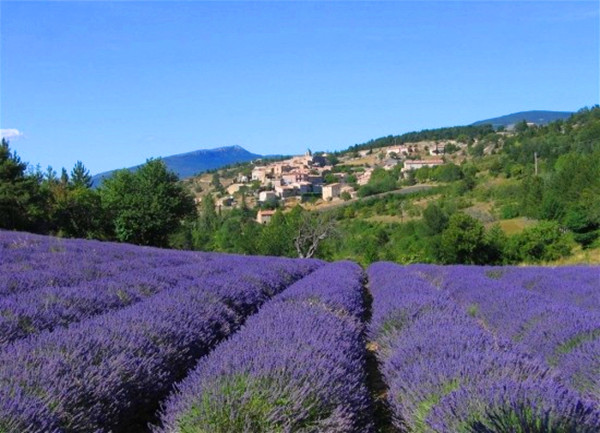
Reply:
x=331, y=191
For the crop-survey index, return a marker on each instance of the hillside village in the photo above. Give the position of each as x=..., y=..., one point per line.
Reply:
x=522, y=196
x=318, y=180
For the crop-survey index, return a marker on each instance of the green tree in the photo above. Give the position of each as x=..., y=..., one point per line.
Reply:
x=22, y=202
x=435, y=219
x=381, y=181
x=182, y=239
x=545, y=241
x=345, y=196
x=64, y=177
x=495, y=245
x=146, y=206
x=203, y=229
x=51, y=175
x=228, y=238
x=80, y=176
x=74, y=208
x=423, y=174
x=277, y=237
x=462, y=138
x=584, y=228
x=463, y=240
x=77, y=212
x=477, y=150
x=532, y=196
x=209, y=216
x=521, y=126
x=447, y=173
x=411, y=178
x=216, y=181
x=330, y=178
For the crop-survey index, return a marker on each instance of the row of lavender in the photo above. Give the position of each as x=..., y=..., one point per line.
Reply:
x=38, y=303
x=572, y=285
x=296, y=366
x=30, y=312
x=447, y=372
x=97, y=346
x=30, y=262
x=553, y=315
x=107, y=370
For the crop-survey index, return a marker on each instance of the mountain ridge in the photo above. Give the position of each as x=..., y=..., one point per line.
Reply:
x=188, y=164
x=539, y=117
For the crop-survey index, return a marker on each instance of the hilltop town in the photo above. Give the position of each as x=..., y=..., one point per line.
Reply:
x=317, y=180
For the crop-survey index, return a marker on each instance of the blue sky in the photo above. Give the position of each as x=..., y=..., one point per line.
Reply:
x=113, y=83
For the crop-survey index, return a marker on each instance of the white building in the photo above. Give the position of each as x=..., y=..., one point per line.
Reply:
x=260, y=174
x=414, y=165
x=331, y=191
x=267, y=196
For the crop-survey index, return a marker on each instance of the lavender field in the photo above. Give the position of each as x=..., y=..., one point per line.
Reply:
x=104, y=337
x=488, y=349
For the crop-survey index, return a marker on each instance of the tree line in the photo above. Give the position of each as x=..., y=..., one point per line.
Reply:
x=441, y=233
x=464, y=134
x=142, y=207
x=148, y=206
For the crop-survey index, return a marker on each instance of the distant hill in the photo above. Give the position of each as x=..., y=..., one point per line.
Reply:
x=537, y=117
x=191, y=163
x=473, y=131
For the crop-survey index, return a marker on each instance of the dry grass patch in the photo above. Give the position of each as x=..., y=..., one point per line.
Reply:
x=389, y=219
x=514, y=225
x=579, y=257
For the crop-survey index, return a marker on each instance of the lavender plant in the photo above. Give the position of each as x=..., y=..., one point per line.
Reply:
x=576, y=286
x=30, y=262
x=296, y=366
x=31, y=312
x=541, y=324
x=108, y=373
x=447, y=373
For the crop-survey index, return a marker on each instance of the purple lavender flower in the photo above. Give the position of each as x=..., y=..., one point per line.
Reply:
x=447, y=372
x=297, y=365
x=109, y=372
